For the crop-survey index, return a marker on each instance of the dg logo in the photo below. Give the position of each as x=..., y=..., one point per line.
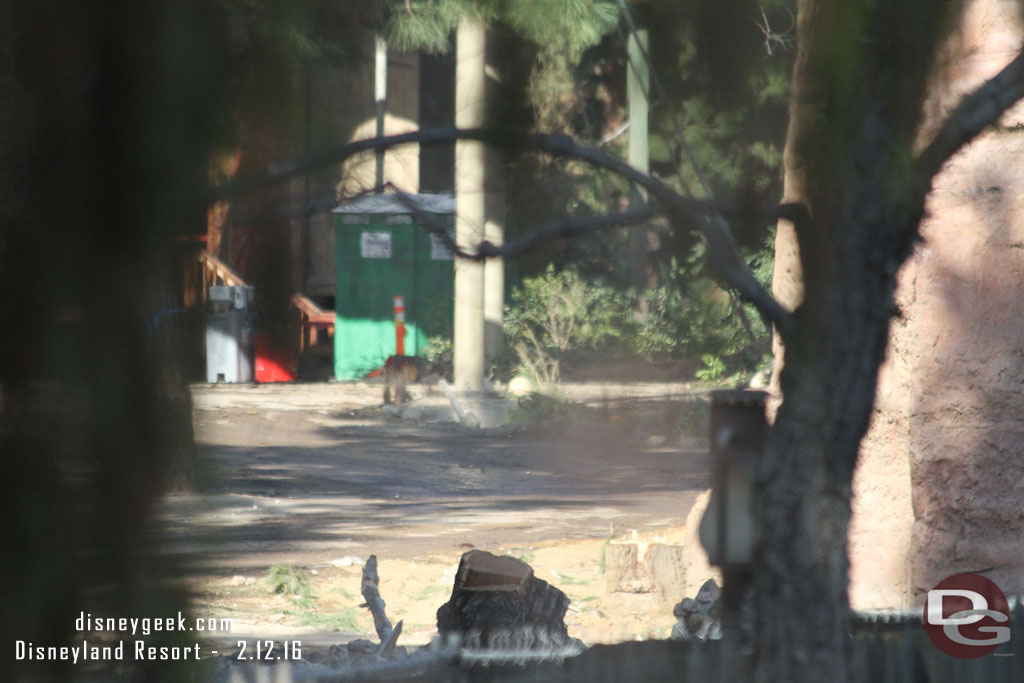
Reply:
x=967, y=616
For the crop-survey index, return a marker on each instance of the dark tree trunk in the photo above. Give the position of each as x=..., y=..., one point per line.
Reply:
x=102, y=168
x=854, y=204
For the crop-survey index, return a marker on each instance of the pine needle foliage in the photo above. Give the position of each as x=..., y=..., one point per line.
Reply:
x=576, y=24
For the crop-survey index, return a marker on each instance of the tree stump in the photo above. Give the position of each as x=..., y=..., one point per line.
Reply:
x=635, y=567
x=497, y=602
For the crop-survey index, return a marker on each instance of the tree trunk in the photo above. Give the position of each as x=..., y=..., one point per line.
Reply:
x=856, y=97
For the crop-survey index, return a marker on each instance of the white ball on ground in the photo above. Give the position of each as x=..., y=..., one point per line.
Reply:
x=519, y=386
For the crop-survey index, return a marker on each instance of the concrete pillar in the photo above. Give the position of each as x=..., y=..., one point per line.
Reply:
x=638, y=84
x=470, y=208
x=494, y=269
x=380, y=98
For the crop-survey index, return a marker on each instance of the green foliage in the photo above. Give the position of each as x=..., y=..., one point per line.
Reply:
x=523, y=554
x=289, y=581
x=713, y=370
x=345, y=620
x=284, y=579
x=560, y=315
x=539, y=407
x=565, y=579
x=573, y=24
x=438, y=355
x=557, y=313
x=431, y=591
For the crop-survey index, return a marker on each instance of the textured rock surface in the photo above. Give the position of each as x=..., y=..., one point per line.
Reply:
x=695, y=559
x=950, y=420
x=699, y=618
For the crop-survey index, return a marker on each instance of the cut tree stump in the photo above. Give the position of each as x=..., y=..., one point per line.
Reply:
x=497, y=602
x=636, y=567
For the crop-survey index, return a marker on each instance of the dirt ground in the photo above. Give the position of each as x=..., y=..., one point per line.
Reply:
x=315, y=478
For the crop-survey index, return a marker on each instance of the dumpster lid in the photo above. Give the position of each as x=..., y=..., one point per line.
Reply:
x=390, y=203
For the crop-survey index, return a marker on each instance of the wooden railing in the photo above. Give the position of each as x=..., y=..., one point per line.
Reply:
x=216, y=272
x=312, y=318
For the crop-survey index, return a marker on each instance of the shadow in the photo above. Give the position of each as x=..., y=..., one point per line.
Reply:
x=408, y=490
x=965, y=366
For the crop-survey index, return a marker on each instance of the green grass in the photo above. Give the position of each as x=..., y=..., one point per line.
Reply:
x=540, y=407
x=345, y=620
x=284, y=579
x=431, y=590
x=584, y=603
x=523, y=554
x=604, y=551
x=567, y=580
x=347, y=594
x=289, y=581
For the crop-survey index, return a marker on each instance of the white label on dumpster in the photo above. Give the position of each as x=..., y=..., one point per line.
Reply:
x=375, y=245
x=439, y=251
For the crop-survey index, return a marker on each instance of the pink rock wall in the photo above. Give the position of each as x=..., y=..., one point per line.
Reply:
x=940, y=488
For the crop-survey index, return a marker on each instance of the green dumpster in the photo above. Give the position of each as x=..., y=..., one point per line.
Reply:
x=382, y=252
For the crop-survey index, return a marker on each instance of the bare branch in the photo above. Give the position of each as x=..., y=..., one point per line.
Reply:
x=977, y=111
x=726, y=263
x=371, y=594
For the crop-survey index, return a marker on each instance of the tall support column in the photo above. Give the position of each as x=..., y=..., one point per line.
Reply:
x=380, y=98
x=470, y=208
x=494, y=269
x=637, y=88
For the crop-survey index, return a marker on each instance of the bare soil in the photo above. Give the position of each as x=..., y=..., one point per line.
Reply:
x=316, y=477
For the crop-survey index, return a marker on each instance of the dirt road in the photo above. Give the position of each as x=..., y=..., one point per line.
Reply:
x=314, y=476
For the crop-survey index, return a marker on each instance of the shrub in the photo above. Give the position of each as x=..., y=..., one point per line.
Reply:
x=557, y=313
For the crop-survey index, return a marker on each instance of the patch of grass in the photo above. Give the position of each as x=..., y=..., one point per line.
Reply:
x=307, y=602
x=282, y=578
x=345, y=620
x=343, y=592
x=567, y=580
x=538, y=407
x=522, y=554
x=362, y=413
x=604, y=552
x=584, y=603
x=431, y=590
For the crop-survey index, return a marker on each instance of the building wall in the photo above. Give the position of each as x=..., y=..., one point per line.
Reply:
x=341, y=108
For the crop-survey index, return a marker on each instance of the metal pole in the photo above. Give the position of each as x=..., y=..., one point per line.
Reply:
x=637, y=89
x=380, y=98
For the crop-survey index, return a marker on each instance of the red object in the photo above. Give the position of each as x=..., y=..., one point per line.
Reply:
x=399, y=326
x=271, y=365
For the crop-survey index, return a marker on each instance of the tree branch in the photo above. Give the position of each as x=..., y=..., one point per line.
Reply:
x=567, y=227
x=371, y=594
x=977, y=111
x=726, y=263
